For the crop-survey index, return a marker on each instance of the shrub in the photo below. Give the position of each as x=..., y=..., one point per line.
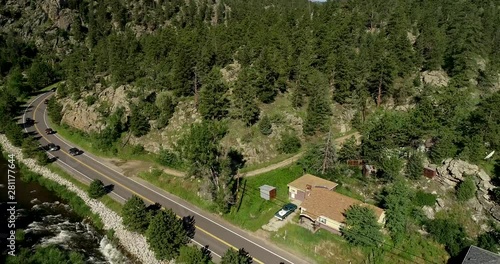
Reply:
x=41, y=158
x=168, y=158
x=96, y=189
x=14, y=133
x=449, y=233
x=489, y=240
x=139, y=124
x=466, y=190
x=137, y=149
x=54, y=109
x=391, y=167
x=495, y=194
x=90, y=100
x=265, y=126
x=30, y=147
x=422, y=198
x=414, y=167
x=290, y=143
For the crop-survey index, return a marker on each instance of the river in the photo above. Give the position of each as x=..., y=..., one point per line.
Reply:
x=46, y=220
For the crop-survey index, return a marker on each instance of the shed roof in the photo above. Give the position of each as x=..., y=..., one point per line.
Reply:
x=312, y=180
x=266, y=187
x=477, y=255
x=321, y=202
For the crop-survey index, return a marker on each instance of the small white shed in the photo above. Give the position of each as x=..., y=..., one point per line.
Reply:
x=267, y=192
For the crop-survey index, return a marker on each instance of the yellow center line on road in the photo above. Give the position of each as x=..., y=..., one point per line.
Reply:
x=133, y=192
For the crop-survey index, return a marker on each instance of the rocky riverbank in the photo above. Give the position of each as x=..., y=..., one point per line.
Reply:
x=132, y=242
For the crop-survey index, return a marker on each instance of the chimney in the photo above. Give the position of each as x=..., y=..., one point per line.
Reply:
x=308, y=189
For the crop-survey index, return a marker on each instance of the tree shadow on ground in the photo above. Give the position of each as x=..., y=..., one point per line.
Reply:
x=109, y=188
x=189, y=225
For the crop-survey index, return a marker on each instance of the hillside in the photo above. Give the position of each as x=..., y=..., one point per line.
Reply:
x=306, y=67
x=213, y=86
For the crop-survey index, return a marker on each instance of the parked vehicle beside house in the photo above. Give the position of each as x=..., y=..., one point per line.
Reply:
x=285, y=211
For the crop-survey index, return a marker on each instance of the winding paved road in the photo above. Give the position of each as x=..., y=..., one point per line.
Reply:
x=218, y=234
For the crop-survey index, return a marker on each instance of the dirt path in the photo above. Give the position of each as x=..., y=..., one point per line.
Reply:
x=293, y=159
x=278, y=165
x=133, y=167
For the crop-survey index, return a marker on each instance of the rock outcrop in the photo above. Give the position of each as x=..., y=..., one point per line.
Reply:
x=452, y=172
x=61, y=17
x=80, y=115
x=39, y=22
x=436, y=78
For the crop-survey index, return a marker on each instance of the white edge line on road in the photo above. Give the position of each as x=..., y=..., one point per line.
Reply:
x=50, y=154
x=119, y=196
x=206, y=218
x=197, y=243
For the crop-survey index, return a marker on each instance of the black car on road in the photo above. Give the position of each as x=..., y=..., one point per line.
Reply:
x=51, y=147
x=74, y=151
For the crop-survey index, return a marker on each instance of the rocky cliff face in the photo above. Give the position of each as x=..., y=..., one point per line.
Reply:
x=452, y=172
x=41, y=22
x=80, y=115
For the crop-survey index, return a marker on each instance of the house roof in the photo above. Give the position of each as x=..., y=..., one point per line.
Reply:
x=477, y=255
x=312, y=180
x=330, y=204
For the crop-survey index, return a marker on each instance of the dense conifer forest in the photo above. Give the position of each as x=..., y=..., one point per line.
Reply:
x=369, y=56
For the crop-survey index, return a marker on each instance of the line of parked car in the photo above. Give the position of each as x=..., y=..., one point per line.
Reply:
x=54, y=147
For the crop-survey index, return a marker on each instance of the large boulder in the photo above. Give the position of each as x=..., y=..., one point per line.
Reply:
x=435, y=78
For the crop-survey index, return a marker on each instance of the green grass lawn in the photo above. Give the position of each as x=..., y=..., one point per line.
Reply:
x=322, y=246
x=184, y=188
x=254, y=211
x=416, y=249
x=86, y=142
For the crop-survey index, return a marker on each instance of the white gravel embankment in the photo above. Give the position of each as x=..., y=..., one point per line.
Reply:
x=134, y=243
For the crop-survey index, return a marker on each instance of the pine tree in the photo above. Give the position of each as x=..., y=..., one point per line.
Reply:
x=193, y=255
x=213, y=102
x=166, y=235
x=139, y=125
x=318, y=110
x=398, y=205
x=414, y=166
x=361, y=227
x=349, y=150
x=96, y=189
x=265, y=126
x=134, y=215
x=236, y=257
x=244, y=98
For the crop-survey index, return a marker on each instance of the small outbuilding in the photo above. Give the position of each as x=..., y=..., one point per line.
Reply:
x=267, y=192
x=355, y=162
x=430, y=172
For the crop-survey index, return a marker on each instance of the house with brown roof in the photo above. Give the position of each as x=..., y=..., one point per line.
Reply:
x=297, y=189
x=324, y=208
